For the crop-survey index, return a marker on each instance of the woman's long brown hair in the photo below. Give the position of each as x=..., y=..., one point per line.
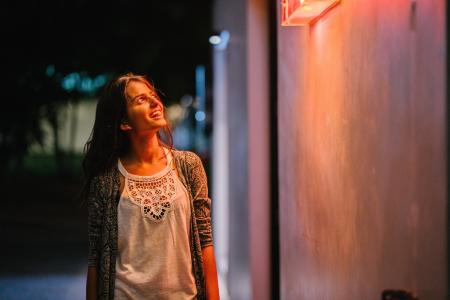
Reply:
x=107, y=141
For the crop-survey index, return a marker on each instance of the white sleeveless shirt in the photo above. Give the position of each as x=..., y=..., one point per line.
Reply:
x=154, y=259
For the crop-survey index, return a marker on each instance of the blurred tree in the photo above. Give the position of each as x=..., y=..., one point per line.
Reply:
x=46, y=41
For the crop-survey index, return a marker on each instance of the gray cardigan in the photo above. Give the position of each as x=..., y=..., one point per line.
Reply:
x=103, y=198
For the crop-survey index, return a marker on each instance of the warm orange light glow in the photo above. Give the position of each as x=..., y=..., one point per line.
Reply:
x=304, y=12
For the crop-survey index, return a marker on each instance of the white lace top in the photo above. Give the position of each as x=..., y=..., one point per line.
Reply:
x=154, y=259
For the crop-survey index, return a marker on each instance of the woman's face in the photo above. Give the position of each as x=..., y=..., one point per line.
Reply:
x=144, y=109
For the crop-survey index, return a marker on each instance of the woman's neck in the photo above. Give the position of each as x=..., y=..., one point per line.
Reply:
x=144, y=149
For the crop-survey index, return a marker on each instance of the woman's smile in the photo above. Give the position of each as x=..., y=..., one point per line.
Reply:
x=157, y=114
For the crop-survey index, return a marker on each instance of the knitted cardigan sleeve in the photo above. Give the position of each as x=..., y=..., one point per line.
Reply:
x=95, y=217
x=202, y=202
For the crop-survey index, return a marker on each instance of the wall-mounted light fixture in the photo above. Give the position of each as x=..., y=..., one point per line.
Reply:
x=304, y=12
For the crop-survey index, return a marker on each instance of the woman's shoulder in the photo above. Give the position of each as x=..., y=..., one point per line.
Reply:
x=185, y=154
x=187, y=157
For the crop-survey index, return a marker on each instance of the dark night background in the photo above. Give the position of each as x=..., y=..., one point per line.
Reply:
x=42, y=220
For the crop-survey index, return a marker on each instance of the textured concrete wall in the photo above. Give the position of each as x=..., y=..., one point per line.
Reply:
x=362, y=152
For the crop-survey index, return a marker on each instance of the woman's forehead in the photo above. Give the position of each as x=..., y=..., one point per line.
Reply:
x=135, y=88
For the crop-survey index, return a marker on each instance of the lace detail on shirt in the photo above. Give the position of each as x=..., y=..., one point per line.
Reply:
x=154, y=195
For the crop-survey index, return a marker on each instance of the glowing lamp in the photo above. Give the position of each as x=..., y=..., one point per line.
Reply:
x=304, y=12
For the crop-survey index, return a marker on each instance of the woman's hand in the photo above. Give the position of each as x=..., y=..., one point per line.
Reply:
x=91, y=284
x=209, y=265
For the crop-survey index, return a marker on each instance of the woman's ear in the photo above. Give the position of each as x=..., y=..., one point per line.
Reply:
x=125, y=126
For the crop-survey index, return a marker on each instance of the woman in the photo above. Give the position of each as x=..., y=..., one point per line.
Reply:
x=149, y=218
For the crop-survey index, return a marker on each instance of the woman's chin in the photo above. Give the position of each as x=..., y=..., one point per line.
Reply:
x=159, y=122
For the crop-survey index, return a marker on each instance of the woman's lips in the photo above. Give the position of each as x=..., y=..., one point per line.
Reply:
x=156, y=114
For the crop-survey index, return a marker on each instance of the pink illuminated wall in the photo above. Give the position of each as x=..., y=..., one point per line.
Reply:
x=362, y=152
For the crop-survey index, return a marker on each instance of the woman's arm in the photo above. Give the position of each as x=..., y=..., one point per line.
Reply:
x=209, y=265
x=202, y=207
x=91, y=284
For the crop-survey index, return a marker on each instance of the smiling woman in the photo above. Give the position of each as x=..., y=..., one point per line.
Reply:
x=149, y=219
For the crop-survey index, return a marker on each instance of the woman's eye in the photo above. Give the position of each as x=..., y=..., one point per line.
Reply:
x=142, y=100
x=152, y=99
